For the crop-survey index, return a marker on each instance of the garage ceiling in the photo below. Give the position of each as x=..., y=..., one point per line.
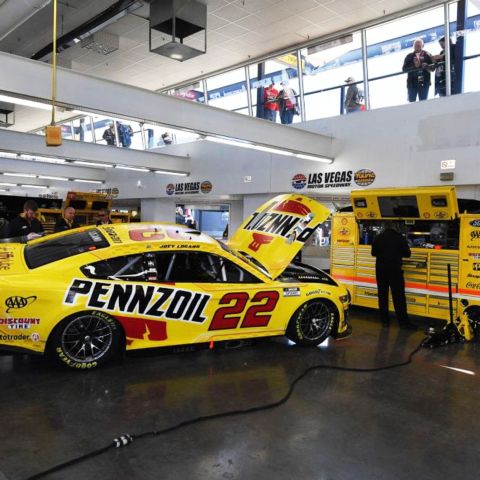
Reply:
x=237, y=31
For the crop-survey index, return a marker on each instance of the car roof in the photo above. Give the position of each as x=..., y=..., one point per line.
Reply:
x=158, y=232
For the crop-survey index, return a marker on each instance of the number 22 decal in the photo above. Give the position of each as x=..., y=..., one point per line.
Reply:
x=228, y=317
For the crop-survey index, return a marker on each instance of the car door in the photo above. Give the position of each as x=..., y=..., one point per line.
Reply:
x=215, y=298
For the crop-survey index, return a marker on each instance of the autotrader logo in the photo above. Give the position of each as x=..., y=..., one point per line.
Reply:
x=14, y=303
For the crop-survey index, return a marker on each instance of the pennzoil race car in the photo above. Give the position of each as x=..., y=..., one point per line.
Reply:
x=85, y=295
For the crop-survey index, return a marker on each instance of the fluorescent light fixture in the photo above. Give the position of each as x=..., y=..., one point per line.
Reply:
x=5, y=184
x=92, y=164
x=228, y=141
x=3, y=190
x=166, y=172
x=81, y=180
x=272, y=150
x=135, y=169
x=25, y=103
x=314, y=158
x=25, y=175
x=27, y=185
x=48, y=177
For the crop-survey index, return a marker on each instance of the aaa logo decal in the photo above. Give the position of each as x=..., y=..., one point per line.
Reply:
x=13, y=303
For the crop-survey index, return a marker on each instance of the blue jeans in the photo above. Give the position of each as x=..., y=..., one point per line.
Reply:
x=286, y=116
x=420, y=90
x=270, y=115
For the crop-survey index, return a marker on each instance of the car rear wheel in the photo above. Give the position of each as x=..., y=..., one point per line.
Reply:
x=312, y=323
x=85, y=340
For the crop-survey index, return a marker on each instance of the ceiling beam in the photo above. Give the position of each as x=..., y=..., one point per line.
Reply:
x=31, y=144
x=33, y=80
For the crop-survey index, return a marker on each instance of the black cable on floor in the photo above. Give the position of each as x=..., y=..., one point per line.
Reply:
x=127, y=439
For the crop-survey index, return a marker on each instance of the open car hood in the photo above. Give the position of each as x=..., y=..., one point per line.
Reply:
x=277, y=231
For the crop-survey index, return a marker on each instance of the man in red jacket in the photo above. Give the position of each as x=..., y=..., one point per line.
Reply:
x=270, y=103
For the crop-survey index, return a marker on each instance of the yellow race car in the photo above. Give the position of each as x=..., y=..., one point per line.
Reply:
x=85, y=295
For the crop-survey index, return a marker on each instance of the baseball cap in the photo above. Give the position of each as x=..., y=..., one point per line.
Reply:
x=349, y=80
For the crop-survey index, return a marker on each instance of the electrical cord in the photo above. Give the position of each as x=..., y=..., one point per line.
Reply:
x=127, y=439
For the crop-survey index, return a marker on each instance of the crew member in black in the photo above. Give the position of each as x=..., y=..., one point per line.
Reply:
x=67, y=221
x=104, y=217
x=389, y=247
x=26, y=225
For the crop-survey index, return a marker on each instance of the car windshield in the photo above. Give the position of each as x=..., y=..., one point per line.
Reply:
x=246, y=258
x=51, y=250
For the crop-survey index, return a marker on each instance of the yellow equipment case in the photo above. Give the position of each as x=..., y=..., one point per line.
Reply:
x=438, y=235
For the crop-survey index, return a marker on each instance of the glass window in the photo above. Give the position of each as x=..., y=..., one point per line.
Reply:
x=387, y=48
x=67, y=132
x=471, y=39
x=82, y=129
x=159, y=136
x=326, y=67
x=130, y=134
x=127, y=267
x=103, y=133
x=48, y=251
x=228, y=90
x=192, y=92
x=275, y=83
x=199, y=267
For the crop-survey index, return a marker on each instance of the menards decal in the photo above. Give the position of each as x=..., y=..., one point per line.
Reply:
x=138, y=299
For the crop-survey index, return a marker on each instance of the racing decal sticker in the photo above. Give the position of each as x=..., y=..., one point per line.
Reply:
x=282, y=221
x=112, y=233
x=143, y=329
x=291, y=292
x=318, y=292
x=6, y=258
x=140, y=299
x=475, y=223
x=23, y=323
x=17, y=302
x=227, y=318
x=364, y=177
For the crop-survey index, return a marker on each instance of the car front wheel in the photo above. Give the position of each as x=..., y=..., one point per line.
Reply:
x=85, y=340
x=312, y=323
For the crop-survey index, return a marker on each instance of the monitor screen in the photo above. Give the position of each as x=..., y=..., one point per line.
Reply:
x=404, y=207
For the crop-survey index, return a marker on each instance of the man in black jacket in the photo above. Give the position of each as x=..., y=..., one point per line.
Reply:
x=389, y=247
x=418, y=64
x=26, y=225
x=67, y=221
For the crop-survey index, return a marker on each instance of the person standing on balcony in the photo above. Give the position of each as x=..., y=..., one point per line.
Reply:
x=270, y=103
x=109, y=135
x=440, y=77
x=352, y=97
x=287, y=103
x=418, y=65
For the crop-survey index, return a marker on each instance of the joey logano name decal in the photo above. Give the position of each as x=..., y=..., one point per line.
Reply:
x=146, y=300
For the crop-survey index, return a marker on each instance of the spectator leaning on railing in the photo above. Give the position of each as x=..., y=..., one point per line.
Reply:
x=418, y=64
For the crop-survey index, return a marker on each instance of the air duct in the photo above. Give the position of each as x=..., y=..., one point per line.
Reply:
x=183, y=28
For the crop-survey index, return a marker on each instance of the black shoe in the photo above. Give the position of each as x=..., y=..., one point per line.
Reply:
x=408, y=326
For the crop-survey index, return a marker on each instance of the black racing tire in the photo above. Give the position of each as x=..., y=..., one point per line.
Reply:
x=312, y=323
x=85, y=340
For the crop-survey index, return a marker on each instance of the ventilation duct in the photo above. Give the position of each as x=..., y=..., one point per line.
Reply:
x=183, y=28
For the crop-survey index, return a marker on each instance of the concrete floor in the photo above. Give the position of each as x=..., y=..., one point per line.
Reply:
x=416, y=422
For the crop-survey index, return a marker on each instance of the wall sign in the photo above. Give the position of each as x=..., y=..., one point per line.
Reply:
x=335, y=179
x=189, y=188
